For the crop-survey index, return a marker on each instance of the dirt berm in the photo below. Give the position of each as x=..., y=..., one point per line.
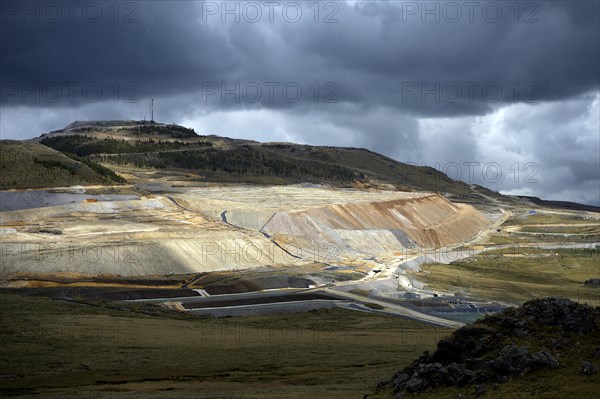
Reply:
x=377, y=227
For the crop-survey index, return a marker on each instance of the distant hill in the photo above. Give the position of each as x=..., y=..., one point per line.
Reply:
x=25, y=164
x=137, y=131
x=561, y=204
x=169, y=146
x=161, y=146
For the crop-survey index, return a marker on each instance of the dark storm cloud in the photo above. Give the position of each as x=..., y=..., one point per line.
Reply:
x=159, y=48
x=557, y=56
x=378, y=53
x=420, y=86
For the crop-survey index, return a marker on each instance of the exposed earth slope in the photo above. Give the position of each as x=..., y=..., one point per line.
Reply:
x=425, y=221
x=229, y=228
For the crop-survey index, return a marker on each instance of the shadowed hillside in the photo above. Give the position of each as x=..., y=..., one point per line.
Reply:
x=31, y=165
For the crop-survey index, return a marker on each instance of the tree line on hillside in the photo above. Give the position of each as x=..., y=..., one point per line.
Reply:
x=85, y=145
x=175, y=131
x=240, y=160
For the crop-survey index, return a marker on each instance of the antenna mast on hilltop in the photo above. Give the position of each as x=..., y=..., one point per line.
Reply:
x=152, y=110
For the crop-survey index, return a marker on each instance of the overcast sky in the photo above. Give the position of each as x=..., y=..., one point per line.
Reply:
x=503, y=94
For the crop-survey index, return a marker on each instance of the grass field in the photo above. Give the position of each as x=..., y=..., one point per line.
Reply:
x=568, y=229
x=503, y=239
x=58, y=349
x=25, y=164
x=547, y=236
x=552, y=218
x=519, y=274
x=548, y=227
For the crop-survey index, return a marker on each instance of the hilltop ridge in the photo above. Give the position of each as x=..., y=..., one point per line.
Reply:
x=170, y=149
x=159, y=146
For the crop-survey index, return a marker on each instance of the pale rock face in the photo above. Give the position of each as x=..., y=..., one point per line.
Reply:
x=229, y=228
x=393, y=225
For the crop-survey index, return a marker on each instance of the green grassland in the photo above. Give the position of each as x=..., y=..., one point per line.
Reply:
x=546, y=227
x=519, y=274
x=572, y=234
x=570, y=229
x=543, y=218
x=498, y=239
x=30, y=165
x=57, y=349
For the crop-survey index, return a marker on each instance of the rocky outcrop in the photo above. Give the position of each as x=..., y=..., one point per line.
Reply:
x=488, y=351
x=587, y=368
x=594, y=282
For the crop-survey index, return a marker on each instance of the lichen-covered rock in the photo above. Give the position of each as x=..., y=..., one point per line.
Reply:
x=569, y=315
x=545, y=358
x=480, y=390
x=512, y=360
x=459, y=375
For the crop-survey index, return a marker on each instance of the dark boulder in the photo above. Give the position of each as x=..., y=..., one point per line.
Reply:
x=512, y=360
x=545, y=358
x=479, y=390
x=587, y=368
x=594, y=282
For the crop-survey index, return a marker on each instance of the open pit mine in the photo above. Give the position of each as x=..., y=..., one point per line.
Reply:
x=141, y=257
x=150, y=212
x=223, y=228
